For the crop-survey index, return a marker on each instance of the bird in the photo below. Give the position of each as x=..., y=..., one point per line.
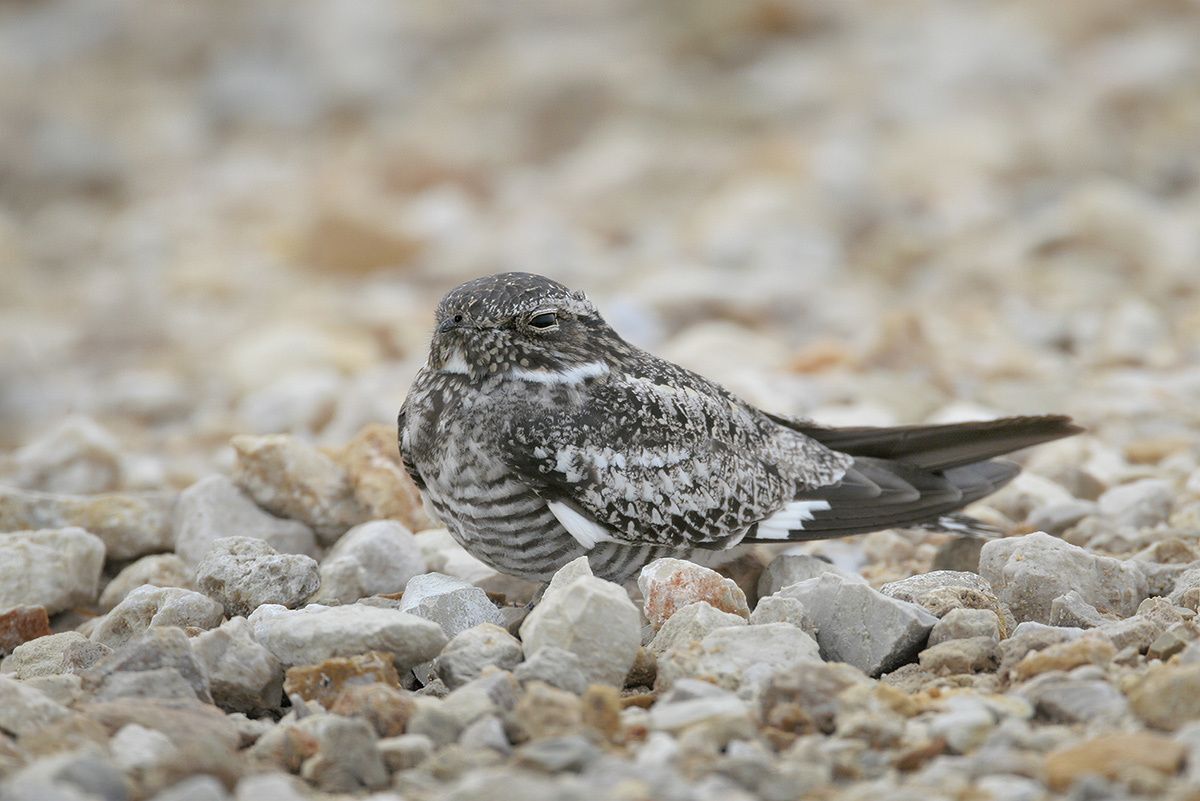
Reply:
x=539, y=435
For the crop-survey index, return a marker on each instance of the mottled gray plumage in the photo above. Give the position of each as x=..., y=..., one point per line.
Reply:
x=539, y=435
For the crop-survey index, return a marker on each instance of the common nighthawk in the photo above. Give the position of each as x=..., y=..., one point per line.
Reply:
x=539, y=435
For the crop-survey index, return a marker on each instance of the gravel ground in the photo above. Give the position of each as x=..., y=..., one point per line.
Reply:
x=223, y=228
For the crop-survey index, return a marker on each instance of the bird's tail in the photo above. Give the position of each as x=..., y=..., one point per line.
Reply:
x=906, y=476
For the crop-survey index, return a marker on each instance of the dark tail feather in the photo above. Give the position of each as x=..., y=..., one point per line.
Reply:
x=876, y=494
x=940, y=447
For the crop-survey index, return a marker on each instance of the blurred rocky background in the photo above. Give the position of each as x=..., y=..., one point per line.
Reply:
x=236, y=216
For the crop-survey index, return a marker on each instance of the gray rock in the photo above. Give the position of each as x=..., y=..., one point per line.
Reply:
x=942, y=590
x=1139, y=504
x=961, y=624
x=68, y=652
x=1062, y=699
x=592, y=618
x=138, y=750
x=469, y=652
x=692, y=623
x=1029, y=572
x=1071, y=610
x=347, y=760
x=1186, y=590
x=161, y=650
x=405, y=752
x=159, y=570
x=491, y=694
x=54, y=568
x=452, y=603
x=149, y=606
x=781, y=609
x=554, y=666
x=862, y=627
x=1135, y=632
x=1058, y=517
x=486, y=732
x=24, y=710
x=792, y=568
x=214, y=508
x=243, y=573
x=374, y=558
x=195, y=788
x=129, y=524
x=571, y=753
x=432, y=720
x=739, y=657
x=243, y=675
x=316, y=633
x=56, y=776
x=960, y=554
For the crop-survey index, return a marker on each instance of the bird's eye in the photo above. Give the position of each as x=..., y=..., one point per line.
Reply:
x=458, y=318
x=543, y=320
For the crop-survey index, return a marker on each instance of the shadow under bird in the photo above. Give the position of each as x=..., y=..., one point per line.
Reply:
x=539, y=435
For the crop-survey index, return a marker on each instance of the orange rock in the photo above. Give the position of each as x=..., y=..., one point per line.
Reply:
x=325, y=682
x=602, y=710
x=668, y=585
x=1111, y=755
x=385, y=707
x=22, y=624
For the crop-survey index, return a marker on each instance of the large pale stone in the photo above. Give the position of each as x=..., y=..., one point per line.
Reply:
x=54, y=568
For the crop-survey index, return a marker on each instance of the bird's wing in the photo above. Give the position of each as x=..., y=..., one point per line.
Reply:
x=405, y=455
x=663, y=462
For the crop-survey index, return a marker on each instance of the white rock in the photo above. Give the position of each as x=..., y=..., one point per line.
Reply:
x=78, y=456
x=24, y=710
x=792, y=568
x=1029, y=572
x=692, y=623
x=963, y=624
x=452, y=603
x=67, y=652
x=129, y=524
x=469, y=652
x=782, y=609
x=54, y=568
x=592, y=618
x=315, y=633
x=214, y=507
x=374, y=558
x=156, y=606
x=243, y=573
x=243, y=675
x=738, y=657
x=860, y=626
x=556, y=667
x=159, y=570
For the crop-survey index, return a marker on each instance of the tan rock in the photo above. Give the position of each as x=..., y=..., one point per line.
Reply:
x=324, y=683
x=291, y=478
x=386, y=707
x=544, y=711
x=1110, y=756
x=1168, y=696
x=1086, y=650
x=380, y=482
x=970, y=655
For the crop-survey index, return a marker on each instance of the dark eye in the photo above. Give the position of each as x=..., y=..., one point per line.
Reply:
x=458, y=318
x=543, y=320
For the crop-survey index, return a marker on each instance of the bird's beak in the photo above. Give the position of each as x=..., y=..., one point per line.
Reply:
x=447, y=325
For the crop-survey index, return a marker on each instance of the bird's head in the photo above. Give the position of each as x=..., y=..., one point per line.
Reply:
x=519, y=324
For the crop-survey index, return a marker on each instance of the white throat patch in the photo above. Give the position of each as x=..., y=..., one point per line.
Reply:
x=455, y=363
x=571, y=375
